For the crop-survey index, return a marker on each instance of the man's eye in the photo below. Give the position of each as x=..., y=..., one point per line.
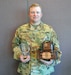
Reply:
x=32, y=12
x=35, y=12
x=38, y=12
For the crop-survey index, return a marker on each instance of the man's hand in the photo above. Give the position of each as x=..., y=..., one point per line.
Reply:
x=21, y=58
x=24, y=59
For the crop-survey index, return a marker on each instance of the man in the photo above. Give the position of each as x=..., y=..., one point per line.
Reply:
x=27, y=41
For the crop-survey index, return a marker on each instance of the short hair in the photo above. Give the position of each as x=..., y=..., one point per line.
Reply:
x=35, y=5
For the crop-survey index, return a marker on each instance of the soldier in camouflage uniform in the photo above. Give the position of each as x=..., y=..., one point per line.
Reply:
x=27, y=41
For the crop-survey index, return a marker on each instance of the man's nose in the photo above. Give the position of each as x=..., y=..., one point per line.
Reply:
x=35, y=13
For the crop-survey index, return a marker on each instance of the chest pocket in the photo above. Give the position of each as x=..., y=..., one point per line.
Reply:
x=45, y=36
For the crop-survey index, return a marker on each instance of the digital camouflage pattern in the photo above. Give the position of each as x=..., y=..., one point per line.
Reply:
x=28, y=38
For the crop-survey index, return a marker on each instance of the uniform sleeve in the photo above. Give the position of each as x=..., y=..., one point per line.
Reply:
x=16, y=46
x=56, y=47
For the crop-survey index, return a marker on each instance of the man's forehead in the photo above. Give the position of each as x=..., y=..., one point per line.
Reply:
x=35, y=8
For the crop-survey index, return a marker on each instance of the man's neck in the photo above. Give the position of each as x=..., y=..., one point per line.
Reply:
x=35, y=23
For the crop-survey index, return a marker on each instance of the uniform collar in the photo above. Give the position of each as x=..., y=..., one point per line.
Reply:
x=36, y=27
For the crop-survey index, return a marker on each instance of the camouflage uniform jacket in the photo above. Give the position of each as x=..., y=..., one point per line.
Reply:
x=32, y=36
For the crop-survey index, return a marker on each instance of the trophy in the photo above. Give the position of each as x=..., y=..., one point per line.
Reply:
x=46, y=52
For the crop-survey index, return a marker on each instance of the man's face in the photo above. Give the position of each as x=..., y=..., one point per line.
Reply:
x=35, y=14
